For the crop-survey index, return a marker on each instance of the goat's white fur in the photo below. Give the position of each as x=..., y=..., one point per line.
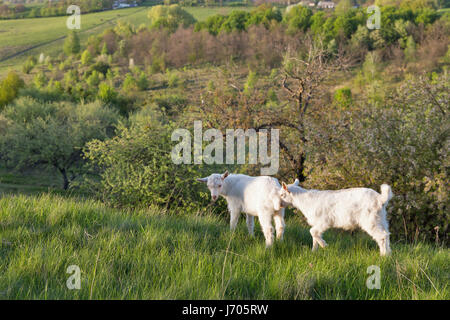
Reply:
x=346, y=209
x=255, y=196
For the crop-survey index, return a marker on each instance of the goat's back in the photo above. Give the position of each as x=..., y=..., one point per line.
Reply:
x=255, y=194
x=345, y=208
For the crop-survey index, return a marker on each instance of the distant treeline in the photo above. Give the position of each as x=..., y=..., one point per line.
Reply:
x=51, y=9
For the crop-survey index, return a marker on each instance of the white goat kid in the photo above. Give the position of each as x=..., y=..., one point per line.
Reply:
x=346, y=209
x=255, y=196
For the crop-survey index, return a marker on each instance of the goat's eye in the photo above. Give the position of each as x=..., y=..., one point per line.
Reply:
x=220, y=186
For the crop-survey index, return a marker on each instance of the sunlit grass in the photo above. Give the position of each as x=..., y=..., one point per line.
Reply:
x=146, y=254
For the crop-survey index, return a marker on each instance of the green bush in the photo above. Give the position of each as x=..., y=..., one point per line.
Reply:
x=137, y=169
x=106, y=93
x=170, y=17
x=29, y=64
x=298, y=18
x=86, y=57
x=343, y=97
x=403, y=141
x=72, y=44
x=9, y=88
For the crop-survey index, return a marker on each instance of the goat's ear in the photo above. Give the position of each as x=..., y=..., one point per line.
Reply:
x=202, y=180
x=225, y=175
x=296, y=182
x=284, y=186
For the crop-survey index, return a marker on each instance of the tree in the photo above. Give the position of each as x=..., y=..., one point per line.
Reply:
x=264, y=14
x=235, y=21
x=136, y=166
x=53, y=135
x=72, y=44
x=170, y=17
x=9, y=88
x=298, y=18
x=106, y=93
x=86, y=57
x=299, y=92
x=410, y=50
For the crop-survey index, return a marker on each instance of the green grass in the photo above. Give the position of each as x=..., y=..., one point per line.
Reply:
x=150, y=254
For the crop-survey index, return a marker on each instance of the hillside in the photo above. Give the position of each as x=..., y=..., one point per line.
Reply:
x=149, y=254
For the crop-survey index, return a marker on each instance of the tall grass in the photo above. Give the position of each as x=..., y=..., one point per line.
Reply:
x=150, y=254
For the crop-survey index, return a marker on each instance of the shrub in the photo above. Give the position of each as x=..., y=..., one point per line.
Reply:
x=142, y=82
x=343, y=97
x=403, y=141
x=94, y=79
x=106, y=93
x=29, y=64
x=86, y=57
x=137, y=169
x=9, y=88
x=40, y=80
x=129, y=84
x=71, y=44
x=101, y=67
x=173, y=80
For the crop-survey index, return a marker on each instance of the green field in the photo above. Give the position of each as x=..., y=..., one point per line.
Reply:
x=149, y=254
x=26, y=37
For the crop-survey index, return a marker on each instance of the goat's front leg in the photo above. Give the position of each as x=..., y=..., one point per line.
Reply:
x=234, y=218
x=250, y=224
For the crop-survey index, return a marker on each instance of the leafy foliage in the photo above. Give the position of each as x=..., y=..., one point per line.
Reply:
x=137, y=169
x=170, y=17
x=53, y=134
x=9, y=88
x=403, y=141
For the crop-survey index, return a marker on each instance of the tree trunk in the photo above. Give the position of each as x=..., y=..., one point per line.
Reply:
x=65, y=179
x=300, y=167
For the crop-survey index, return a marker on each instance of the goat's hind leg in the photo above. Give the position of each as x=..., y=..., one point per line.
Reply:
x=265, y=220
x=317, y=238
x=279, y=223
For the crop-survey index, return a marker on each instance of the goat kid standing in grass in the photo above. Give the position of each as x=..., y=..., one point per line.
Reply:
x=255, y=196
x=346, y=209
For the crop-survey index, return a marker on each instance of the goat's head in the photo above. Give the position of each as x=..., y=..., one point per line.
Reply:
x=215, y=184
x=286, y=195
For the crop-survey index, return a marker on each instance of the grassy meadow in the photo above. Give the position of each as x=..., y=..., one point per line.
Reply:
x=103, y=118
x=152, y=254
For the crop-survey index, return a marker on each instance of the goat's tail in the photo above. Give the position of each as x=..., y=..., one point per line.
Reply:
x=386, y=194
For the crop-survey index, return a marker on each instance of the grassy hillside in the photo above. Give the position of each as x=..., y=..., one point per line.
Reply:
x=149, y=254
x=23, y=37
